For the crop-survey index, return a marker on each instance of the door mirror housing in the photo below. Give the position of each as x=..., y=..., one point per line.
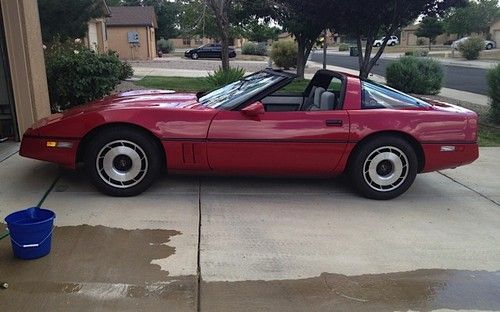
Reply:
x=254, y=109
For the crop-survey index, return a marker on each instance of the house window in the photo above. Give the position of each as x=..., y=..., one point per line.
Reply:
x=186, y=41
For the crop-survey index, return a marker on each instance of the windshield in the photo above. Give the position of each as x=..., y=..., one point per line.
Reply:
x=240, y=91
x=375, y=95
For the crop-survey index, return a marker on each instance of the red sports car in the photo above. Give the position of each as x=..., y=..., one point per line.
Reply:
x=340, y=124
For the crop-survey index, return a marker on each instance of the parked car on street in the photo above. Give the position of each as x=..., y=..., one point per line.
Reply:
x=379, y=137
x=211, y=50
x=392, y=41
x=488, y=44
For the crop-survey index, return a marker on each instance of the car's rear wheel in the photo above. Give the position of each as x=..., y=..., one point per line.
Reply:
x=123, y=161
x=384, y=168
x=489, y=46
x=194, y=56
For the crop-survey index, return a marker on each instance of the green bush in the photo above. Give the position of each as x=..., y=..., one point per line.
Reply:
x=471, y=47
x=284, y=54
x=415, y=75
x=76, y=74
x=165, y=46
x=251, y=48
x=221, y=78
x=343, y=47
x=420, y=41
x=494, y=92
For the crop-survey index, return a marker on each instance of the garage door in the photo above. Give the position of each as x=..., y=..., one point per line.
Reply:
x=93, y=36
x=496, y=37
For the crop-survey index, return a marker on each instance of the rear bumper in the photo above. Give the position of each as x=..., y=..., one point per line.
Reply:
x=36, y=148
x=436, y=159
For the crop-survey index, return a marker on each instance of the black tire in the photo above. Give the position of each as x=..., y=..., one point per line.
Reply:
x=194, y=56
x=489, y=46
x=377, y=45
x=136, y=154
x=370, y=170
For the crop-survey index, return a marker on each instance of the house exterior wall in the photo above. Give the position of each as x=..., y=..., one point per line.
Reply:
x=26, y=61
x=118, y=41
x=495, y=32
x=96, y=37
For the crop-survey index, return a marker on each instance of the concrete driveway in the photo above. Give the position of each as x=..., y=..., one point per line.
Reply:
x=249, y=244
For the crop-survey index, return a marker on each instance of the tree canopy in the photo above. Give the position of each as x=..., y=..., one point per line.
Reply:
x=430, y=27
x=67, y=19
x=365, y=19
x=476, y=16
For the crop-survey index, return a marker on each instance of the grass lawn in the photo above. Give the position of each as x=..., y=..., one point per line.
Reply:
x=488, y=136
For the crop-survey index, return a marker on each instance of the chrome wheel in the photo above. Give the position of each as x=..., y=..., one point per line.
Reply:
x=194, y=56
x=122, y=164
x=385, y=169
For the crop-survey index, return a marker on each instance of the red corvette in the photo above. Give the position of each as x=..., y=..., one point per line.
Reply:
x=340, y=124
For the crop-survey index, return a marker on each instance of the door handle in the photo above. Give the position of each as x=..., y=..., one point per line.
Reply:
x=334, y=123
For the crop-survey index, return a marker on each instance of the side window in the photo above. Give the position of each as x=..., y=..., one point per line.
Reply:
x=378, y=96
x=335, y=85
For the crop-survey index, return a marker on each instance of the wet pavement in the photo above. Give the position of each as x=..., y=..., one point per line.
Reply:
x=260, y=245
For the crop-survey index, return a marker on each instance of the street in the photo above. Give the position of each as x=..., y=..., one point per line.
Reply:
x=455, y=77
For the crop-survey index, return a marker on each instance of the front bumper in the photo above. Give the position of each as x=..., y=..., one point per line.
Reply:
x=36, y=147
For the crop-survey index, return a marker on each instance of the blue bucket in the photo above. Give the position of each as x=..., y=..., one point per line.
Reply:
x=31, y=232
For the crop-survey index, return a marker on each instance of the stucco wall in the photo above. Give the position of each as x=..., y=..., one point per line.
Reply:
x=118, y=41
x=26, y=61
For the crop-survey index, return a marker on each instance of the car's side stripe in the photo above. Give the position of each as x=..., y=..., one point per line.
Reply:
x=261, y=140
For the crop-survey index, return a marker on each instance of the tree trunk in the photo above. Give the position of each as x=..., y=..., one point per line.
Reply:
x=325, y=48
x=301, y=58
x=225, y=49
x=220, y=8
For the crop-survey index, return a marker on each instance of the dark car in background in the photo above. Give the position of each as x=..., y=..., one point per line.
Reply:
x=211, y=50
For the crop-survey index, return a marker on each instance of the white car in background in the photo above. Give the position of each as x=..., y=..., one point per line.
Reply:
x=392, y=41
x=488, y=44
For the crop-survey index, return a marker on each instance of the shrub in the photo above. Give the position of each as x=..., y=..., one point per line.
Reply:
x=165, y=46
x=76, y=74
x=420, y=41
x=284, y=54
x=494, y=92
x=414, y=75
x=221, y=78
x=471, y=47
x=343, y=47
x=251, y=48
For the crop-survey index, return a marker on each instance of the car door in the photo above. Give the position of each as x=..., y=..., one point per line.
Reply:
x=278, y=143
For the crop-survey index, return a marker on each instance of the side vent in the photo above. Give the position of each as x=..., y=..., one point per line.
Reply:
x=191, y=153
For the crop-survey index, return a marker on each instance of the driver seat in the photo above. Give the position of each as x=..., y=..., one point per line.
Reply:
x=314, y=99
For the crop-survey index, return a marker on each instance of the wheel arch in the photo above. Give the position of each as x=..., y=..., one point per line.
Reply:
x=405, y=136
x=80, y=155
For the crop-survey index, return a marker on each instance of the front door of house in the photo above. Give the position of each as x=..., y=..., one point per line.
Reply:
x=8, y=127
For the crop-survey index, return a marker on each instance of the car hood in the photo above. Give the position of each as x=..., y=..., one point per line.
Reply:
x=139, y=99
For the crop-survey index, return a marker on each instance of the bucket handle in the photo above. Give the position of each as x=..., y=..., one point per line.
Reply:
x=32, y=245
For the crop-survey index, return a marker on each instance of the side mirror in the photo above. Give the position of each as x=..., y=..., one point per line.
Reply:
x=254, y=109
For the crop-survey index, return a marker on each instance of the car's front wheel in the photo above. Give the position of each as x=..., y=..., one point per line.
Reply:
x=194, y=56
x=384, y=168
x=489, y=46
x=123, y=161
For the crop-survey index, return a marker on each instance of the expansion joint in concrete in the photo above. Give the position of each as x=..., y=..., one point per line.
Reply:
x=470, y=188
x=198, y=265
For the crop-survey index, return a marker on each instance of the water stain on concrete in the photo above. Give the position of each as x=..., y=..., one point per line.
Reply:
x=421, y=290
x=96, y=267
